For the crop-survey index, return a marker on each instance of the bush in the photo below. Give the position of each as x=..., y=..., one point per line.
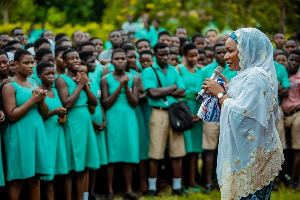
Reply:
x=95, y=29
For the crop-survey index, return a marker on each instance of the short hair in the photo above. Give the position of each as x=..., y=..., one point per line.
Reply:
x=94, y=38
x=297, y=52
x=117, y=51
x=208, y=49
x=59, y=49
x=174, y=53
x=59, y=36
x=66, y=52
x=124, y=44
x=114, y=31
x=219, y=45
x=279, y=54
x=200, y=51
x=60, y=41
x=41, y=52
x=10, y=43
x=178, y=28
x=279, y=33
x=86, y=43
x=27, y=46
x=85, y=55
x=21, y=53
x=3, y=52
x=42, y=35
x=212, y=30
x=41, y=66
x=82, y=62
x=157, y=20
x=142, y=40
x=146, y=52
x=164, y=33
x=159, y=45
x=128, y=48
x=197, y=35
x=74, y=33
x=12, y=32
x=293, y=39
x=9, y=48
x=182, y=40
x=39, y=42
x=188, y=47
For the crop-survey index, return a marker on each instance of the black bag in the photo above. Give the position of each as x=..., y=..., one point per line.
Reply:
x=179, y=114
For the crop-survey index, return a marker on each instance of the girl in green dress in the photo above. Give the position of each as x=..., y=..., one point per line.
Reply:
x=54, y=129
x=143, y=131
x=192, y=138
x=82, y=152
x=119, y=91
x=98, y=117
x=4, y=68
x=25, y=139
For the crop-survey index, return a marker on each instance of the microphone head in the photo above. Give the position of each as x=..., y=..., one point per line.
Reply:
x=218, y=71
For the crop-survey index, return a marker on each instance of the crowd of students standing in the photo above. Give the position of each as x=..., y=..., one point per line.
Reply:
x=69, y=108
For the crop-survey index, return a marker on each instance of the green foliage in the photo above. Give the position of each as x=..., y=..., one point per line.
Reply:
x=95, y=29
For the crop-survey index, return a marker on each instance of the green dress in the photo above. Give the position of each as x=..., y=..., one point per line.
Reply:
x=56, y=140
x=193, y=137
x=2, y=129
x=143, y=129
x=97, y=117
x=25, y=141
x=82, y=150
x=122, y=132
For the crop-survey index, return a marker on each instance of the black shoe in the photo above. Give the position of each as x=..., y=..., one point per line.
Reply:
x=152, y=193
x=131, y=196
x=208, y=189
x=110, y=196
x=179, y=192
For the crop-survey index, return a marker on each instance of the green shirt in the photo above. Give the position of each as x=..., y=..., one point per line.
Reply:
x=282, y=75
x=208, y=70
x=170, y=78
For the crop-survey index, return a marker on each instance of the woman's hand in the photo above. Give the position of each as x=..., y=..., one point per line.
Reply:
x=225, y=79
x=38, y=95
x=212, y=87
x=124, y=81
x=61, y=111
x=2, y=116
x=195, y=118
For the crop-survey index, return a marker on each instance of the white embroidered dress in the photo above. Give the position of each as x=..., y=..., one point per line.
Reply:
x=250, y=153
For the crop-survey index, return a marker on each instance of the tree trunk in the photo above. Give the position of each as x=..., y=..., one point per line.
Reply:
x=5, y=15
x=282, y=18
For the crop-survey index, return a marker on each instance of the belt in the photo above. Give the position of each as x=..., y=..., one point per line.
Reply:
x=160, y=108
x=292, y=112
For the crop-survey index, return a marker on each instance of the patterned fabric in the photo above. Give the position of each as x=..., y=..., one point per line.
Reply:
x=210, y=109
x=263, y=194
x=250, y=153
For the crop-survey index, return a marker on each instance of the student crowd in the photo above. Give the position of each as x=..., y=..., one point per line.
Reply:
x=70, y=109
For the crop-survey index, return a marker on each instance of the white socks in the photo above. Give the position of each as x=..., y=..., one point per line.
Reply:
x=85, y=196
x=176, y=183
x=152, y=183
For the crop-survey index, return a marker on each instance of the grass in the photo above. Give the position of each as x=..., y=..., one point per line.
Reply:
x=282, y=194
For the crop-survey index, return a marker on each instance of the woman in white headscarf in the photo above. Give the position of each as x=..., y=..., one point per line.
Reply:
x=250, y=152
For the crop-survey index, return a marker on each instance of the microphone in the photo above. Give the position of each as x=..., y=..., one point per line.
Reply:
x=217, y=72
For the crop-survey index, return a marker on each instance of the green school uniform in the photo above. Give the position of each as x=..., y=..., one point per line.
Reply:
x=143, y=131
x=208, y=70
x=97, y=117
x=122, y=133
x=2, y=129
x=150, y=81
x=282, y=75
x=35, y=77
x=26, y=147
x=97, y=74
x=193, y=137
x=55, y=139
x=111, y=67
x=82, y=150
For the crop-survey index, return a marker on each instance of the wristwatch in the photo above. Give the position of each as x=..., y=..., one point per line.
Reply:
x=220, y=95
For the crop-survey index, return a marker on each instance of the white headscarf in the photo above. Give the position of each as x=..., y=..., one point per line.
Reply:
x=250, y=152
